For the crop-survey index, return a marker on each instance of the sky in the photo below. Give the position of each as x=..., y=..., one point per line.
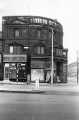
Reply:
x=65, y=11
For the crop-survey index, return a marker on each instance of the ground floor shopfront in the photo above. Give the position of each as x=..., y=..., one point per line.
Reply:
x=17, y=72
x=15, y=69
x=60, y=71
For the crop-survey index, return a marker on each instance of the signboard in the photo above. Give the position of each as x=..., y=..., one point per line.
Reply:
x=14, y=58
x=37, y=64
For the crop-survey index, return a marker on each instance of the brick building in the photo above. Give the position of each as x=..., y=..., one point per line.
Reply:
x=27, y=49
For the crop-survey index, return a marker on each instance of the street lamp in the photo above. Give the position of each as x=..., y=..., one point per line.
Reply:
x=77, y=67
x=52, y=60
x=28, y=64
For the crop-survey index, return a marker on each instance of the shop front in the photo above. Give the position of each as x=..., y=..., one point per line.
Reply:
x=37, y=70
x=60, y=65
x=15, y=68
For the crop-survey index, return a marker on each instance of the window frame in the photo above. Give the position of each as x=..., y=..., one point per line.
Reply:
x=11, y=49
x=40, y=50
x=17, y=33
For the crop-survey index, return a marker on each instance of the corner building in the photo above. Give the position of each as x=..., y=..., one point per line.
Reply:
x=27, y=49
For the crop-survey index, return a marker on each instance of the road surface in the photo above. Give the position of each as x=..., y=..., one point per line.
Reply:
x=22, y=106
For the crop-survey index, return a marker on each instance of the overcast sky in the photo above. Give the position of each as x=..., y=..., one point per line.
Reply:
x=65, y=11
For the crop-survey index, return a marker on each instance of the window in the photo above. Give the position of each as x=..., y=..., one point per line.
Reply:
x=15, y=49
x=32, y=33
x=17, y=33
x=38, y=34
x=44, y=34
x=24, y=32
x=64, y=53
x=11, y=49
x=40, y=50
x=50, y=34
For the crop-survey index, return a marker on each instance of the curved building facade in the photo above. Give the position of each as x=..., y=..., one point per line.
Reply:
x=27, y=49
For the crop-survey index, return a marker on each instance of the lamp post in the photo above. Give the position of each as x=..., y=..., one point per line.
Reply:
x=77, y=67
x=52, y=60
x=28, y=65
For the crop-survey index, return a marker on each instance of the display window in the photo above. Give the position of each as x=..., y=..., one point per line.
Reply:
x=15, y=72
x=37, y=74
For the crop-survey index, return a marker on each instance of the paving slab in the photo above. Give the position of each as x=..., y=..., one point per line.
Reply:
x=43, y=88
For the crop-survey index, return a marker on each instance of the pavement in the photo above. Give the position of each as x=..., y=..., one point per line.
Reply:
x=63, y=88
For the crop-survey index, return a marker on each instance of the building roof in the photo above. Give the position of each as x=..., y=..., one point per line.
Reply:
x=32, y=20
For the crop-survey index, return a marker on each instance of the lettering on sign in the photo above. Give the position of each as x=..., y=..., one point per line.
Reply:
x=14, y=58
x=37, y=64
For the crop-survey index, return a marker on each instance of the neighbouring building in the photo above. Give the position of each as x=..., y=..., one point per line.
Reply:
x=1, y=57
x=73, y=72
x=27, y=49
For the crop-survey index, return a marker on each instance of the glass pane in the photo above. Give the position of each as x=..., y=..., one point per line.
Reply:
x=38, y=50
x=13, y=72
x=16, y=33
x=11, y=49
x=42, y=50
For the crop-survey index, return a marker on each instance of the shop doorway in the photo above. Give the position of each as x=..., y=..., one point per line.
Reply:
x=59, y=71
x=21, y=73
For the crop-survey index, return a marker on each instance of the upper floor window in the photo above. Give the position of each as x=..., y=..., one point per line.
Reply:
x=64, y=53
x=40, y=50
x=24, y=32
x=15, y=49
x=32, y=32
x=11, y=49
x=17, y=33
x=44, y=34
x=38, y=33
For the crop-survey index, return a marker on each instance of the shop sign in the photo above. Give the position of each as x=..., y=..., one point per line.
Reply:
x=37, y=64
x=14, y=58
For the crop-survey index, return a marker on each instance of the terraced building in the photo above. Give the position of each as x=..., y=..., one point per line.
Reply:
x=27, y=49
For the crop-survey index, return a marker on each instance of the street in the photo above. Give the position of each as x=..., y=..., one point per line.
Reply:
x=22, y=106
